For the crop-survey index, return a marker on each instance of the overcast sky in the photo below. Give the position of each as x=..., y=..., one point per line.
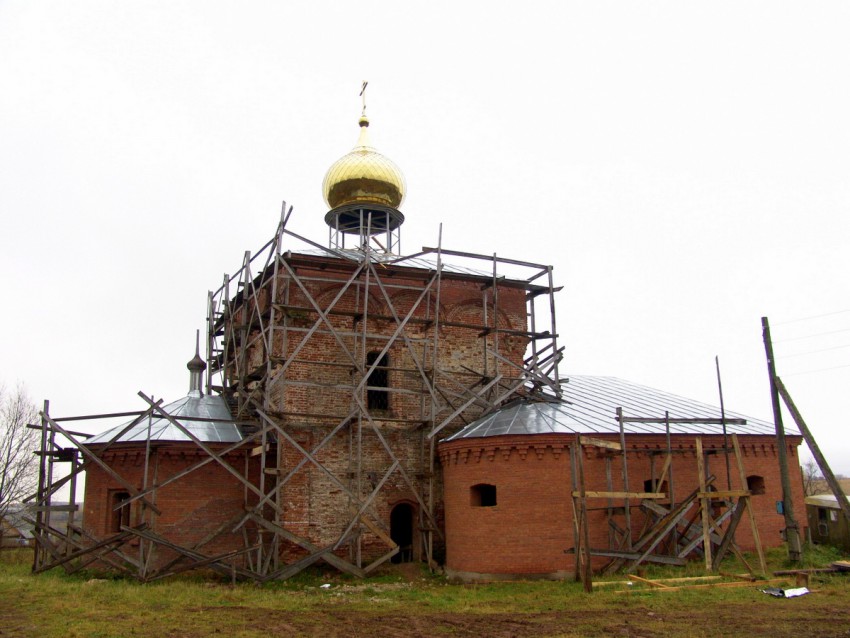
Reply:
x=684, y=166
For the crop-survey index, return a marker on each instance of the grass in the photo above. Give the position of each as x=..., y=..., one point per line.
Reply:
x=56, y=604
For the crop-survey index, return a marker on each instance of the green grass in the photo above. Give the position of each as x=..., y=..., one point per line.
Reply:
x=56, y=604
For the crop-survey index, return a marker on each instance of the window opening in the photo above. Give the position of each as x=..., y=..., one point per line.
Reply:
x=651, y=485
x=482, y=495
x=755, y=484
x=121, y=516
x=376, y=398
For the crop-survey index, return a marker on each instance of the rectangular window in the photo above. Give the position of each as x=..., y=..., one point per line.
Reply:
x=482, y=495
x=118, y=515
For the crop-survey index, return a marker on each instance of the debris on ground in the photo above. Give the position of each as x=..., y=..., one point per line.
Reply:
x=786, y=593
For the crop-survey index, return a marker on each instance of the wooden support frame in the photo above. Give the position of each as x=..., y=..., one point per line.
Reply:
x=255, y=310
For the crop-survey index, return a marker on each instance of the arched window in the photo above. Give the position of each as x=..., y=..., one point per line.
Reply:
x=482, y=495
x=401, y=531
x=376, y=398
x=755, y=484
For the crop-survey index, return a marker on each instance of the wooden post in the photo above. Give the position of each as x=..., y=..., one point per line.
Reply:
x=792, y=532
x=627, y=505
x=705, y=504
x=587, y=572
x=723, y=420
x=834, y=485
x=743, y=478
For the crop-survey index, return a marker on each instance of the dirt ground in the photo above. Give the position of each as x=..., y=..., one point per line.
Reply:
x=819, y=620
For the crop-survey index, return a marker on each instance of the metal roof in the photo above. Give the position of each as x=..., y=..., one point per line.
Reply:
x=590, y=406
x=423, y=263
x=824, y=500
x=221, y=430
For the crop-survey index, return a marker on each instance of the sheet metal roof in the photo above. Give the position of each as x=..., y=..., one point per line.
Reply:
x=590, y=406
x=222, y=430
x=824, y=500
x=424, y=263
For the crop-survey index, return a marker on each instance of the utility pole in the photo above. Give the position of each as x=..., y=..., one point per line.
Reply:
x=792, y=532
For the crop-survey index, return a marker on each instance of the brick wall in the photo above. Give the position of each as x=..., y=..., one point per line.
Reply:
x=192, y=507
x=531, y=525
x=314, y=395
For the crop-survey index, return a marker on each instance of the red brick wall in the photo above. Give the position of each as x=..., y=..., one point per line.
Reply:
x=315, y=505
x=532, y=523
x=191, y=507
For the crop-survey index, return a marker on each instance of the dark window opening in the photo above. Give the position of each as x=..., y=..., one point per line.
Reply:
x=482, y=495
x=652, y=485
x=822, y=514
x=376, y=398
x=755, y=484
x=120, y=516
x=401, y=531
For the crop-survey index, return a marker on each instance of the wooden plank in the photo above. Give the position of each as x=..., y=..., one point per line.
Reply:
x=729, y=536
x=367, y=503
x=54, y=508
x=651, y=583
x=96, y=459
x=705, y=505
x=760, y=583
x=340, y=563
x=662, y=528
x=260, y=449
x=831, y=480
x=641, y=495
x=724, y=494
x=238, y=475
x=652, y=558
x=379, y=561
x=742, y=475
x=683, y=579
x=610, y=445
x=112, y=540
x=586, y=572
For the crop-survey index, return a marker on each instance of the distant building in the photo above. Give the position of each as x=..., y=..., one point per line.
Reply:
x=827, y=523
x=15, y=530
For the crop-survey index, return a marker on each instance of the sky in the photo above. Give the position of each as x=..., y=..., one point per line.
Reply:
x=682, y=165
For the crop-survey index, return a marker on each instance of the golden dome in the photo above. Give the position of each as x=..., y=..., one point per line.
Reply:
x=364, y=176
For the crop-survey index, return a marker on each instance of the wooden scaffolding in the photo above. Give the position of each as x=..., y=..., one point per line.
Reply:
x=254, y=311
x=703, y=521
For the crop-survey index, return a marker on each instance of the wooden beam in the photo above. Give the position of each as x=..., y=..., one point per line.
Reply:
x=651, y=583
x=641, y=495
x=742, y=475
x=724, y=494
x=609, y=445
x=831, y=480
x=705, y=505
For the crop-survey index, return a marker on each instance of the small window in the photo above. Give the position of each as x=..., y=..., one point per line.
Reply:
x=755, y=484
x=651, y=485
x=822, y=514
x=482, y=495
x=376, y=398
x=120, y=516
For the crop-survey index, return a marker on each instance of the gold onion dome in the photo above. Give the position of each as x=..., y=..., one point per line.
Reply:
x=364, y=176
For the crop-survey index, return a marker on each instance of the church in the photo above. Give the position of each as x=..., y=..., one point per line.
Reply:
x=356, y=407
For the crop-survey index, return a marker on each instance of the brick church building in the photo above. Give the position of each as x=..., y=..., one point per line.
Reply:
x=357, y=406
